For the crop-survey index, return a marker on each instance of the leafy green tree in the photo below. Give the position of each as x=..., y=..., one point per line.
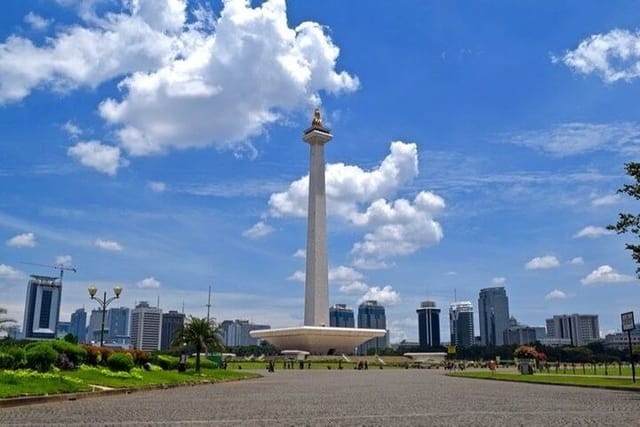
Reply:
x=628, y=222
x=200, y=334
x=4, y=321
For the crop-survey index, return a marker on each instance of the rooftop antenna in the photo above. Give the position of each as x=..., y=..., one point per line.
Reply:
x=182, y=306
x=158, y=301
x=455, y=295
x=209, y=304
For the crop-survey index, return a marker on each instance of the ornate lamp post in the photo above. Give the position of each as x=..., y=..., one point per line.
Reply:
x=104, y=302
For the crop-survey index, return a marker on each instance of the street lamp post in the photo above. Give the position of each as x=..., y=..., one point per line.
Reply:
x=104, y=302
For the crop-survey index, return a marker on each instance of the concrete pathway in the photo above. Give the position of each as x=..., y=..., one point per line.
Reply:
x=344, y=398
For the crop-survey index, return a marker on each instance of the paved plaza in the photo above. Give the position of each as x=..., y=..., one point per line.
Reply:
x=374, y=397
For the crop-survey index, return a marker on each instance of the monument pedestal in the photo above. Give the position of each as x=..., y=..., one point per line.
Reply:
x=318, y=339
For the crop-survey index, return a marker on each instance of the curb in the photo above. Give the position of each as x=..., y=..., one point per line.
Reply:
x=63, y=397
x=602, y=387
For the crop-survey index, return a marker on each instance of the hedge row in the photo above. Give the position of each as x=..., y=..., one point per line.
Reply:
x=43, y=355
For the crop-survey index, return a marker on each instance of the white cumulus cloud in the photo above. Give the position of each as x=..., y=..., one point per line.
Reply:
x=592, y=232
x=157, y=186
x=148, y=283
x=613, y=56
x=36, y=22
x=258, y=230
x=10, y=273
x=187, y=77
x=64, y=260
x=498, y=281
x=342, y=274
x=577, y=261
x=108, y=245
x=385, y=295
x=297, y=276
x=24, y=240
x=364, y=199
x=605, y=274
x=300, y=253
x=555, y=294
x=103, y=158
x=542, y=263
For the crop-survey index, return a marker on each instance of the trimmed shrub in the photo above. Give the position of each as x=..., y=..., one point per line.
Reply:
x=106, y=352
x=120, y=362
x=41, y=356
x=19, y=357
x=140, y=357
x=204, y=363
x=166, y=362
x=6, y=361
x=94, y=357
x=74, y=353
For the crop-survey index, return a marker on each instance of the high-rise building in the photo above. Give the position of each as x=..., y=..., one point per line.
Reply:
x=428, y=325
x=341, y=316
x=146, y=328
x=581, y=329
x=236, y=332
x=518, y=334
x=118, y=324
x=42, y=307
x=94, y=330
x=461, y=323
x=79, y=325
x=371, y=315
x=172, y=323
x=493, y=314
x=63, y=329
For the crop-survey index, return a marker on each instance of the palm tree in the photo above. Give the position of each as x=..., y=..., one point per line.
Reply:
x=201, y=334
x=4, y=321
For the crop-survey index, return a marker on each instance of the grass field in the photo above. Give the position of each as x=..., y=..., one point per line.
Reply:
x=560, y=379
x=28, y=383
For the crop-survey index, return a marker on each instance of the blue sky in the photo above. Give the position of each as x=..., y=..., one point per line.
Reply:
x=157, y=145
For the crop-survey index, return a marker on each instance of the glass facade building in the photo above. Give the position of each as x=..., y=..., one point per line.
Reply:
x=461, y=323
x=42, y=307
x=493, y=315
x=341, y=316
x=172, y=323
x=79, y=325
x=371, y=315
x=428, y=325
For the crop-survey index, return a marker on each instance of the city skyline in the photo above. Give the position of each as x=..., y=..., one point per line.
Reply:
x=475, y=146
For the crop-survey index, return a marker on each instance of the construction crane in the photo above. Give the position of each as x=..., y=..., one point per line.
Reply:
x=60, y=267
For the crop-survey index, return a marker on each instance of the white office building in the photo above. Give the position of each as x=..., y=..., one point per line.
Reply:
x=146, y=327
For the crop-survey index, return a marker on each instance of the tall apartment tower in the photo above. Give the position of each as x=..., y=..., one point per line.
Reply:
x=119, y=324
x=42, y=307
x=79, y=325
x=341, y=316
x=172, y=323
x=95, y=325
x=493, y=315
x=371, y=315
x=581, y=329
x=146, y=328
x=237, y=332
x=428, y=325
x=461, y=323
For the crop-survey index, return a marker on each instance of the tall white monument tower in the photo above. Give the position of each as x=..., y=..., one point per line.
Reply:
x=316, y=288
x=316, y=336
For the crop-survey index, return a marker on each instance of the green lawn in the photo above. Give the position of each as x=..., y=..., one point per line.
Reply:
x=575, y=380
x=28, y=383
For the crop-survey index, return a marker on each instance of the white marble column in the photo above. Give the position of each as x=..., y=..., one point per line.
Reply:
x=316, y=289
